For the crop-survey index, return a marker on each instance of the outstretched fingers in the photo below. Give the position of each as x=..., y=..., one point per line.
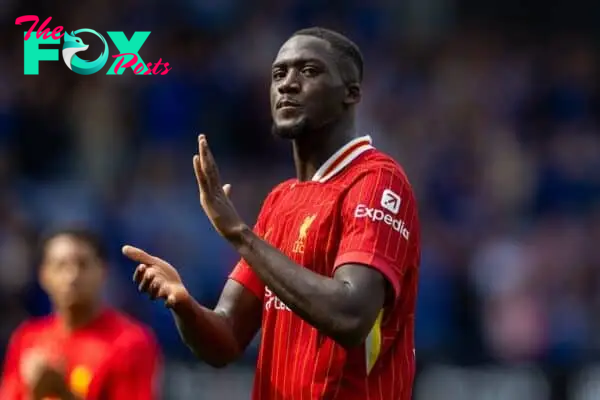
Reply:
x=140, y=256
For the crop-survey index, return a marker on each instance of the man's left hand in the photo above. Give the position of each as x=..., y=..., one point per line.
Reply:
x=213, y=196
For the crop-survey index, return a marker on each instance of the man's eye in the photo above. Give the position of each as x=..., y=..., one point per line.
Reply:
x=278, y=74
x=309, y=71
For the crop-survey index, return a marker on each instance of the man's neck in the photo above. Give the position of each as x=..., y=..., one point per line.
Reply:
x=79, y=317
x=314, y=149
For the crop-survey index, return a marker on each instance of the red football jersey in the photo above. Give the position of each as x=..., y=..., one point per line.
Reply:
x=113, y=358
x=359, y=208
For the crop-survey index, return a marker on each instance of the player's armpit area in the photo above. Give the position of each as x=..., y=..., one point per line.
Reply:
x=243, y=310
x=377, y=264
x=366, y=293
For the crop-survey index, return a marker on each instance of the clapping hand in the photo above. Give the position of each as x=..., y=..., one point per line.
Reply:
x=214, y=197
x=156, y=277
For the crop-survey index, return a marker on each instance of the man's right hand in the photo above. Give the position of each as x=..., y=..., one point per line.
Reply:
x=156, y=277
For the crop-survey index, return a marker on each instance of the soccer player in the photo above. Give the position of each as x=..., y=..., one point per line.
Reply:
x=84, y=350
x=330, y=269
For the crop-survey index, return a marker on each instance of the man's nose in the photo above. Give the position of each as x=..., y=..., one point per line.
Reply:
x=291, y=83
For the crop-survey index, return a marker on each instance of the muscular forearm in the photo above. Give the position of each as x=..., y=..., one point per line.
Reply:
x=207, y=333
x=323, y=302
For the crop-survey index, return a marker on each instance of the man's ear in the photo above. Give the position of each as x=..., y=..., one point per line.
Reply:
x=353, y=94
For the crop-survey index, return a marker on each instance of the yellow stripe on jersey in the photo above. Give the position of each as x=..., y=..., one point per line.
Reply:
x=373, y=343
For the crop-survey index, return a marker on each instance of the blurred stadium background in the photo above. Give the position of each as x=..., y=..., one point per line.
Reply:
x=492, y=107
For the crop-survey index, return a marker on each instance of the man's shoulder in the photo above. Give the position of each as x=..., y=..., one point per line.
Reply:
x=372, y=164
x=281, y=187
x=377, y=159
x=34, y=326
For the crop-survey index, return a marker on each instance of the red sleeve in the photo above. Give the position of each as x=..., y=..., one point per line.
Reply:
x=379, y=224
x=11, y=385
x=242, y=273
x=137, y=373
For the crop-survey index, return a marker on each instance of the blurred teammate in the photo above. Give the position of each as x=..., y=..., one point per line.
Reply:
x=83, y=350
x=330, y=269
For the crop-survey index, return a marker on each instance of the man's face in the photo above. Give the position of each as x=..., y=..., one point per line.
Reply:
x=71, y=272
x=307, y=90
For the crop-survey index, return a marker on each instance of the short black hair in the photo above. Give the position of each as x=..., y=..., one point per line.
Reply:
x=347, y=50
x=88, y=236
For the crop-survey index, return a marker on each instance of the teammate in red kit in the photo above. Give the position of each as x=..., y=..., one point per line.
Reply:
x=83, y=350
x=330, y=269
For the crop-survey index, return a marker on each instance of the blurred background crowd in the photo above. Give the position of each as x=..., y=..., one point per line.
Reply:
x=491, y=108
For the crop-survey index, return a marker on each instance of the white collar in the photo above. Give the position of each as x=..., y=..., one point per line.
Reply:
x=341, y=158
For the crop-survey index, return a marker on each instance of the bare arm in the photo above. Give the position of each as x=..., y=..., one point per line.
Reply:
x=217, y=336
x=221, y=335
x=343, y=307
